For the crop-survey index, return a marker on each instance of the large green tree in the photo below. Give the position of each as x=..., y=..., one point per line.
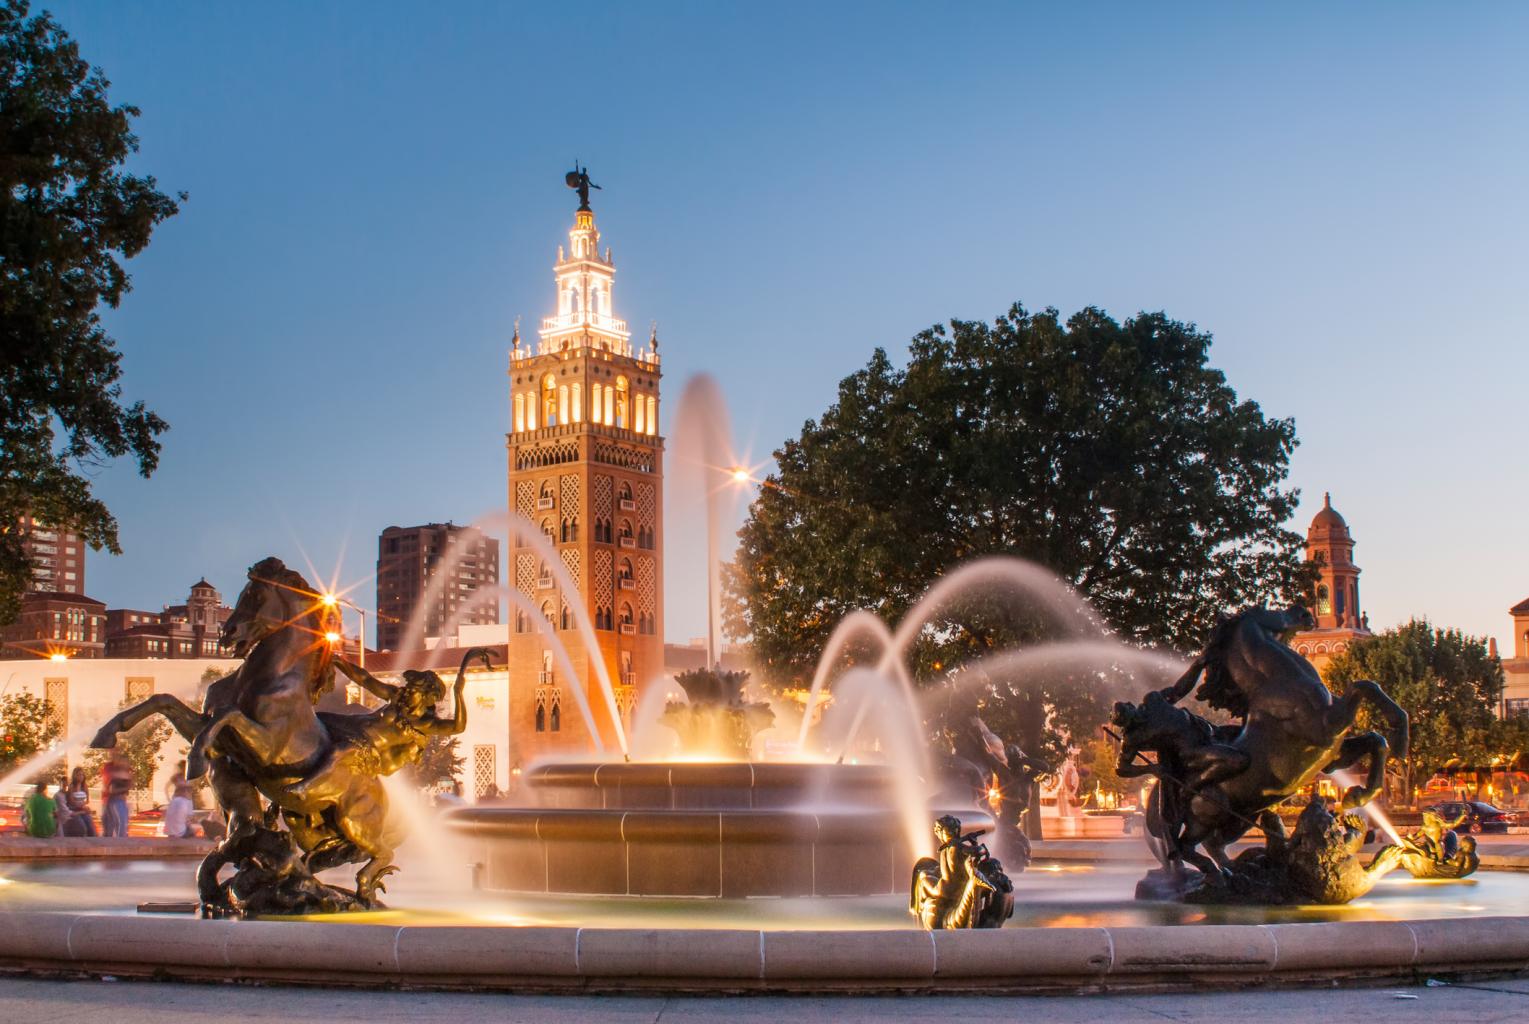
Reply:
x=1111, y=453
x=1449, y=684
x=70, y=215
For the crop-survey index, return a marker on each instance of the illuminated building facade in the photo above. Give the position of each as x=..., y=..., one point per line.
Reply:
x=586, y=480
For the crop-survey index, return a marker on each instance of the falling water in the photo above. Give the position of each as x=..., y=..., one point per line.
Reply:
x=554, y=643
x=1069, y=612
x=446, y=857
x=703, y=450
x=858, y=623
x=1375, y=814
x=532, y=537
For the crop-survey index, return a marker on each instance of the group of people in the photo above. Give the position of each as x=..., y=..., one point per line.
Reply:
x=67, y=812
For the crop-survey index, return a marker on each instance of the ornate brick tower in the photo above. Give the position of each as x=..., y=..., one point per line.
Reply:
x=586, y=467
x=1336, y=609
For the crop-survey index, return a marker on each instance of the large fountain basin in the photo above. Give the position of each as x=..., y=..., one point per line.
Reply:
x=709, y=785
x=723, y=854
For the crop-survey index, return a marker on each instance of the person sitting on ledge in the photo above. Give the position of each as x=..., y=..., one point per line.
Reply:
x=39, y=813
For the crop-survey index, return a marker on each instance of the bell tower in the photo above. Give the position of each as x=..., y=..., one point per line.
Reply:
x=1330, y=545
x=586, y=467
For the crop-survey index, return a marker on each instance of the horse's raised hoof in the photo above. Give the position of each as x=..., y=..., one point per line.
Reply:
x=196, y=765
x=1353, y=797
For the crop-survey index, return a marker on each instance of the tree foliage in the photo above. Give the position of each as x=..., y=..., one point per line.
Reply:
x=439, y=763
x=1111, y=453
x=27, y=726
x=69, y=216
x=1449, y=685
x=140, y=745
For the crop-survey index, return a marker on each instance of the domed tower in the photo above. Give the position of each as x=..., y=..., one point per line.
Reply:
x=1336, y=602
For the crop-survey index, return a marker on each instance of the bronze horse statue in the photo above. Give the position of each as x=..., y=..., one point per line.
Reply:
x=1215, y=782
x=264, y=744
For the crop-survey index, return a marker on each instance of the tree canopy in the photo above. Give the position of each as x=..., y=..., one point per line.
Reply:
x=28, y=725
x=1111, y=453
x=1449, y=684
x=70, y=215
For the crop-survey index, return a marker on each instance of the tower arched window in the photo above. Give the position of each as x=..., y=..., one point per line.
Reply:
x=621, y=403
x=547, y=529
x=652, y=415
x=1324, y=600
x=520, y=412
x=522, y=623
x=578, y=403
x=596, y=410
x=610, y=405
x=562, y=404
x=547, y=613
x=626, y=532
x=626, y=569
x=549, y=401
x=626, y=614
x=565, y=617
x=639, y=414
x=555, y=719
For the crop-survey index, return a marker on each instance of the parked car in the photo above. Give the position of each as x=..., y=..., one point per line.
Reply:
x=1479, y=816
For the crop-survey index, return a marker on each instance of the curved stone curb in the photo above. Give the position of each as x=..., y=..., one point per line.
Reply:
x=599, y=959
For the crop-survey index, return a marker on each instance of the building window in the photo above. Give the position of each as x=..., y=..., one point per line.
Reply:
x=55, y=693
x=596, y=410
x=485, y=777
x=549, y=401
x=1324, y=602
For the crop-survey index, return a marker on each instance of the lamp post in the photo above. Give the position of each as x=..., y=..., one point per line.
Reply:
x=332, y=600
x=739, y=476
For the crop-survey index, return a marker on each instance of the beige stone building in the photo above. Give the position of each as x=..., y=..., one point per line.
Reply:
x=1515, y=695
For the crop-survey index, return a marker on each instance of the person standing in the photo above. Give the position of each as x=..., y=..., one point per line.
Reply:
x=38, y=814
x=116, y=783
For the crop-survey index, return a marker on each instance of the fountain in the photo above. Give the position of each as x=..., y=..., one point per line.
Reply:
x=715, y=716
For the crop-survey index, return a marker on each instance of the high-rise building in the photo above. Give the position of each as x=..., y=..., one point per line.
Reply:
x=57, y=557
x=1336, y=607
x=586, y=483
x=443, y=566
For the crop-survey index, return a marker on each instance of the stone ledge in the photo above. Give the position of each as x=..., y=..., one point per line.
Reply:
x=541, y=958
x=14, y=847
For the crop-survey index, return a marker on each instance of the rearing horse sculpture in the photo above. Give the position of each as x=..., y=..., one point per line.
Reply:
x=280, y=627
x=1292, y=728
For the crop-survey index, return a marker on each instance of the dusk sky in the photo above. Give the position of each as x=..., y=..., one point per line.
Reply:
x=1335, y=192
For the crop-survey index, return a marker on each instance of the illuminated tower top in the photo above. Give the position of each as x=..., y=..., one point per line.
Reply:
x=585, y=280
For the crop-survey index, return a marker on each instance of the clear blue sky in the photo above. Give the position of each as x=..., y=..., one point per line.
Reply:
x=1335, y=191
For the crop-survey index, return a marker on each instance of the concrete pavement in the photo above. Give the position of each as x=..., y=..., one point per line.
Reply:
x=39, y=1001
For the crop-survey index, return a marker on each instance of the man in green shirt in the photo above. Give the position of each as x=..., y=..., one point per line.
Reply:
x=38, y=814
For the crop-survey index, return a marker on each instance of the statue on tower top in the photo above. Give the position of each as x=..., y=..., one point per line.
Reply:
x=578, y=178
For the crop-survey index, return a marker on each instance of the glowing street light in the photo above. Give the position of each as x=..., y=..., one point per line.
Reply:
x=329, y=600
x=58, y=656
x=332, y=637
x=741, y=475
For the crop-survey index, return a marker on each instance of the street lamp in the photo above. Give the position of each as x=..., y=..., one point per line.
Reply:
x=330, y=601
x=740, y=476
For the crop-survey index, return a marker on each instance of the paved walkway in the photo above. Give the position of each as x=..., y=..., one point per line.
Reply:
x=68, y=1002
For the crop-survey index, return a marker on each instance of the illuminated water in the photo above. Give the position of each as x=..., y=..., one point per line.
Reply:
x=1048, y=895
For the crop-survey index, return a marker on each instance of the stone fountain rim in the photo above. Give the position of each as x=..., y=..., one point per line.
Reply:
x=516, y=958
